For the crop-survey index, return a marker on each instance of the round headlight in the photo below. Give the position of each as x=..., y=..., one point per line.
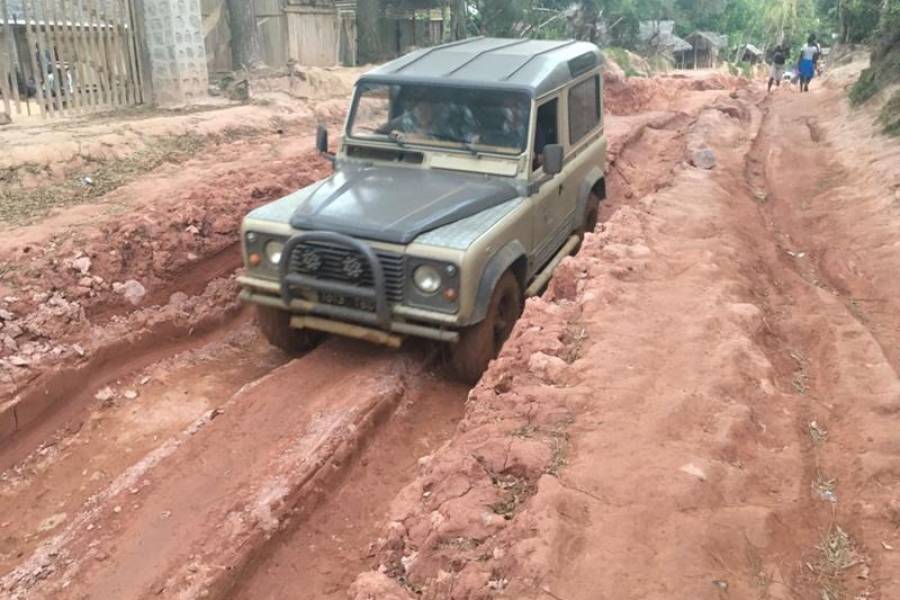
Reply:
x=427, y=279
x=273, y=251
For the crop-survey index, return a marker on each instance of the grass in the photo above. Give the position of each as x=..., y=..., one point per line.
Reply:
x=817, y=433
x=20, y=206
x=574, y=338
x=801, y=378
x=823, y=488
x=515, y=491
x=836, y=555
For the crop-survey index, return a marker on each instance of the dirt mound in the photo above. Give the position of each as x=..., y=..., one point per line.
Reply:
x=632, y=95
x=56, y=288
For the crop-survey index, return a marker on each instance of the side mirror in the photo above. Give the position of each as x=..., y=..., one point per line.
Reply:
x=322, y=139
x=553, y=159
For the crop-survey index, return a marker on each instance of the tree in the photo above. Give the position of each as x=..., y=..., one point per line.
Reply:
x=246, y=52
x=368, y=26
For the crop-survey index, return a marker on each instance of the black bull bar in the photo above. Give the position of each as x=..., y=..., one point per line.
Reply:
x=381, y=318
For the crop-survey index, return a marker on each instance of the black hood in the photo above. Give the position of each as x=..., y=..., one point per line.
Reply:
x=396, y=204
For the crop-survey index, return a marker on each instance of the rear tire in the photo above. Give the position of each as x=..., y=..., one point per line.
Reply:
x=275, y=325
x=481, y=343
x=589, y=222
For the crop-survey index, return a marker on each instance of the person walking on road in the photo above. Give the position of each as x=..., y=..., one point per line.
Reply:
x=806, y=66
x=776, y=74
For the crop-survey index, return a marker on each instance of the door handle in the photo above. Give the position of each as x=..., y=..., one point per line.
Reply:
x=559, y=191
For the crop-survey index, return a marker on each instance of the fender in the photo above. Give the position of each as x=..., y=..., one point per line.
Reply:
x=584, y=190
x=496, y=267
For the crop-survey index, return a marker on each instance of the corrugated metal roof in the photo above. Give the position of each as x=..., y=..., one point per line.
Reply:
x=537, y=66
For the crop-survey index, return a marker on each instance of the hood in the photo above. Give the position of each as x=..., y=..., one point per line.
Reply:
x=396, y=204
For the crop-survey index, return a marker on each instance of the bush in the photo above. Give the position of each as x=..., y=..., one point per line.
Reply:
x=889, y=118
x=621, y=58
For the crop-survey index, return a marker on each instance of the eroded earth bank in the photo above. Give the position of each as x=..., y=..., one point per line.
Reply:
x=703, y=404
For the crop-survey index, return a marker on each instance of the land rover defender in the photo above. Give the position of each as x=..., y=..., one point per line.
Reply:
x=465, y=173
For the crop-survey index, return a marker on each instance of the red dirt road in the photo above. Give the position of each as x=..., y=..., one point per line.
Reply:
x=704, y=403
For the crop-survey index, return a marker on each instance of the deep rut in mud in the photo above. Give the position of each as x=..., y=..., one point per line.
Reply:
x=813, y=335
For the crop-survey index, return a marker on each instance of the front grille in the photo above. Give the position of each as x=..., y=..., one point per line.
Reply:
x=336, y=263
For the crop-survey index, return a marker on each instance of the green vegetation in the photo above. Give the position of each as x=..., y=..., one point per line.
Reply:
x=885, y=65
x=889, y=119
x=621, y=58
x=761, y=22
x=764, y=23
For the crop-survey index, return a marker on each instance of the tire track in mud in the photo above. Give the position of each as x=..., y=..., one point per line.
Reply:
x=817, y=341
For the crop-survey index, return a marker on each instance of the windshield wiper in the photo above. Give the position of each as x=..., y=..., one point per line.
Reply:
x=449, y=138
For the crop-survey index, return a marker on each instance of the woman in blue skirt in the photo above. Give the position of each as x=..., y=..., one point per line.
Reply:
x=806, y=67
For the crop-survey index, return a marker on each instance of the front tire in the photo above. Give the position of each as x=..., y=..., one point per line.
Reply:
x=275, y=325
x=481, y=343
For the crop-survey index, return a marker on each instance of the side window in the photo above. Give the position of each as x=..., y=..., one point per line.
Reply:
x=546, y=130
x=584, y=108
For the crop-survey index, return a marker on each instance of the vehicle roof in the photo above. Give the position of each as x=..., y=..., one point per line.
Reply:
x=533, y=66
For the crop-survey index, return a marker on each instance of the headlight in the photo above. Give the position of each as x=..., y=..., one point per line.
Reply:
x=427, y=279
x=273, y=251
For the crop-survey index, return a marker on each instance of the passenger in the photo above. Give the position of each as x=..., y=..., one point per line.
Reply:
x=806, y=66
x=511, y=126
x=416, y=119
x=776, y=74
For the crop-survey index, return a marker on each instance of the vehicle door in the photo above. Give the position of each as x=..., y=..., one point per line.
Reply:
x=549, y=206
x=585, y=146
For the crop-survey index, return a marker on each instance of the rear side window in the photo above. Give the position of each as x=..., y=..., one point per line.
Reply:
x=584, y=108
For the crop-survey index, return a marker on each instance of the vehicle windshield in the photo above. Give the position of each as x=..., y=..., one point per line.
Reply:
x=476, y=120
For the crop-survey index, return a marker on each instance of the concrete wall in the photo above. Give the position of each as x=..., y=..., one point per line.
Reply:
x=174, y=51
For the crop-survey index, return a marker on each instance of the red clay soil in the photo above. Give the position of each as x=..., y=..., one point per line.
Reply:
x=693, y=409
x=704, y=403
x=186, y=518
x=68, y=288
x=632, y=95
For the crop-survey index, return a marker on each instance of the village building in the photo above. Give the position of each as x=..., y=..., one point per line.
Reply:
x=749, y=53
x=706, y=46
x=658, y=37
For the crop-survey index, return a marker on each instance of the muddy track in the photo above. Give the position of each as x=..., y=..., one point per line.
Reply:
x=838, y=402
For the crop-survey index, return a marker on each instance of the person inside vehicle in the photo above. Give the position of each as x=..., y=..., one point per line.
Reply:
x=776, y=74
x=544, y=132
x=509, y=125
x=806, y=66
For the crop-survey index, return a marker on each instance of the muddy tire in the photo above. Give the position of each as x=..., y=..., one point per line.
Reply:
x=481, y=343
x=589, y=222
x=275, y=325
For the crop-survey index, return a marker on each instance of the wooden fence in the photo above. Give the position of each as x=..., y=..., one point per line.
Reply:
x=63, y=57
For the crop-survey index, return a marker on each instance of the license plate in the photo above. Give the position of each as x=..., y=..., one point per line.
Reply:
x=347, y=301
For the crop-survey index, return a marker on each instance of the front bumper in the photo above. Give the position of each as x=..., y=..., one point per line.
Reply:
x=402, y=320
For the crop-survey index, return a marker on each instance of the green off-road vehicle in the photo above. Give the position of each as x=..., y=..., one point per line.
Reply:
x=465, y=173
